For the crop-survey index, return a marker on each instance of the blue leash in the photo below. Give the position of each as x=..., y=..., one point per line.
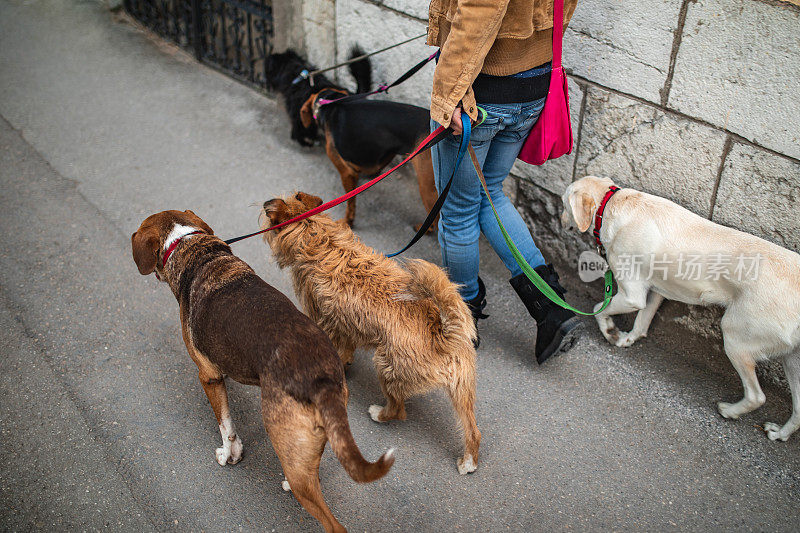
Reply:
x=462, y=149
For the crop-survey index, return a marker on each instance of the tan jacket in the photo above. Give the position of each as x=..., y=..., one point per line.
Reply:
x=496, y=37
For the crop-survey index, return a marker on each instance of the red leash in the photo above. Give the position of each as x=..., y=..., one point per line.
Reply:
x=437, y=135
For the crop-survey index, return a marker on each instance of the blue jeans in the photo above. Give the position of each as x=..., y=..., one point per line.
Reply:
x=467, y=212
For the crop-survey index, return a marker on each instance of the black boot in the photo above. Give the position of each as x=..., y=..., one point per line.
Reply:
x=556, y=325
x=476, y=306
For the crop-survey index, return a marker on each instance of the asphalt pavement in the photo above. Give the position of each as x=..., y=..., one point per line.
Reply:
x=103, y=423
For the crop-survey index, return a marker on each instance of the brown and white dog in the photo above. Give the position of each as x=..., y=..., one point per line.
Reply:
x=235, y=324
x=657, y=249
x=413, y=317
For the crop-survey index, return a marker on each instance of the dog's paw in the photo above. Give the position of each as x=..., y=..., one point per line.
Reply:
x=466, y=465
x=625, y=340
x=608, y=329
x=611, y=334
x=773, y=431
x=222, y=456
x=231, y=452
x=375, y=412
x=727, y=410
x=285, y=486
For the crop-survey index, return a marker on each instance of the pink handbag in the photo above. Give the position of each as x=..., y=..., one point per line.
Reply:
x=551, y=136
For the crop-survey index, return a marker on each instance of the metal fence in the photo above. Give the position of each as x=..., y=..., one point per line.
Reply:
x=234, y=36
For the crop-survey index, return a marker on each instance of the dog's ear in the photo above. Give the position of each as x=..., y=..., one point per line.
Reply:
x=309, y=200
x=583, y=207
x=199, y=222
x=275, y=210
x=307, y=113
x=144, y=244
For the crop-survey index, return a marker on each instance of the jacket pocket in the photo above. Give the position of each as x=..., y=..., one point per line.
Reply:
x=518, y=23
x=524, y=17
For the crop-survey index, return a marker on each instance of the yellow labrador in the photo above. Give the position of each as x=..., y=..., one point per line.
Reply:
x=657, y=249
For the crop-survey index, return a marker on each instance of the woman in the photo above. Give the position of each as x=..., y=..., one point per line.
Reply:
x=494, y=54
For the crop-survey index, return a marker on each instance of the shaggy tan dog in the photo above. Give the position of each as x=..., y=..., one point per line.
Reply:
x=413, y=317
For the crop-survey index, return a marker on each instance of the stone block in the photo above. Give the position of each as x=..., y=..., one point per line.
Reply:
x=624, y=45
x=413, y=8
x=287, y=26
x=319, y=31
x=556, y=174
x=759, y=192
x=374, y=27
x=648, y=149
x=541, y=210
x=738, y=68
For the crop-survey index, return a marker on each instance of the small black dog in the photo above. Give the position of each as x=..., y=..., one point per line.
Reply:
x=361, y=136
x=284, y=68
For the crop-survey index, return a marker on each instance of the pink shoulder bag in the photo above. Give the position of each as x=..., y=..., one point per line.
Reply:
x=551, y=136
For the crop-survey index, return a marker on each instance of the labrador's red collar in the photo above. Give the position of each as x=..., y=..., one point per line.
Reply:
x=174, y=245
x=598, y=218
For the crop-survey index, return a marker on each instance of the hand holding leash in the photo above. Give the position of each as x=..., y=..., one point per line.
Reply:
x=456, y=124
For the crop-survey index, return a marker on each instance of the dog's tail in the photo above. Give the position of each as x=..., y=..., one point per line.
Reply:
x=429, y=281
x=361, y=70
x=329, y=401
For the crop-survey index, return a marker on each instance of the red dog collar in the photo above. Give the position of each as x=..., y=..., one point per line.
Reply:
x=598, y=218
x=175, y=245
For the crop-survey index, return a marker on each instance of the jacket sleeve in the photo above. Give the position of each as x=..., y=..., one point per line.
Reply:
x=472, y=34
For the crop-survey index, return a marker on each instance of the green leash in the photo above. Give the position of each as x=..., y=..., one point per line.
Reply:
x=530, y=273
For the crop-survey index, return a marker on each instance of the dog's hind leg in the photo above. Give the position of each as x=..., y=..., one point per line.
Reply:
x=791, y=364
x=741, y=352
x=462, y=394
x=299, y=440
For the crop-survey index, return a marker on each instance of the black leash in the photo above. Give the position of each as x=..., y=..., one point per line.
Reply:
x=305, y=74
x=381, y=88
x=462, y=149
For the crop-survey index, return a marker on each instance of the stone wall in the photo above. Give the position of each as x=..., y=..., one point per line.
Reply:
x=694, y=100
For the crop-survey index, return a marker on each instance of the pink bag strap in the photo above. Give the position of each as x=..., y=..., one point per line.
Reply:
x=558, y=30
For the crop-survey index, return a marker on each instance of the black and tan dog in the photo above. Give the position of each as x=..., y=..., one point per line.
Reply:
x=361, y=136
x=235, y=324
x=283, y=71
